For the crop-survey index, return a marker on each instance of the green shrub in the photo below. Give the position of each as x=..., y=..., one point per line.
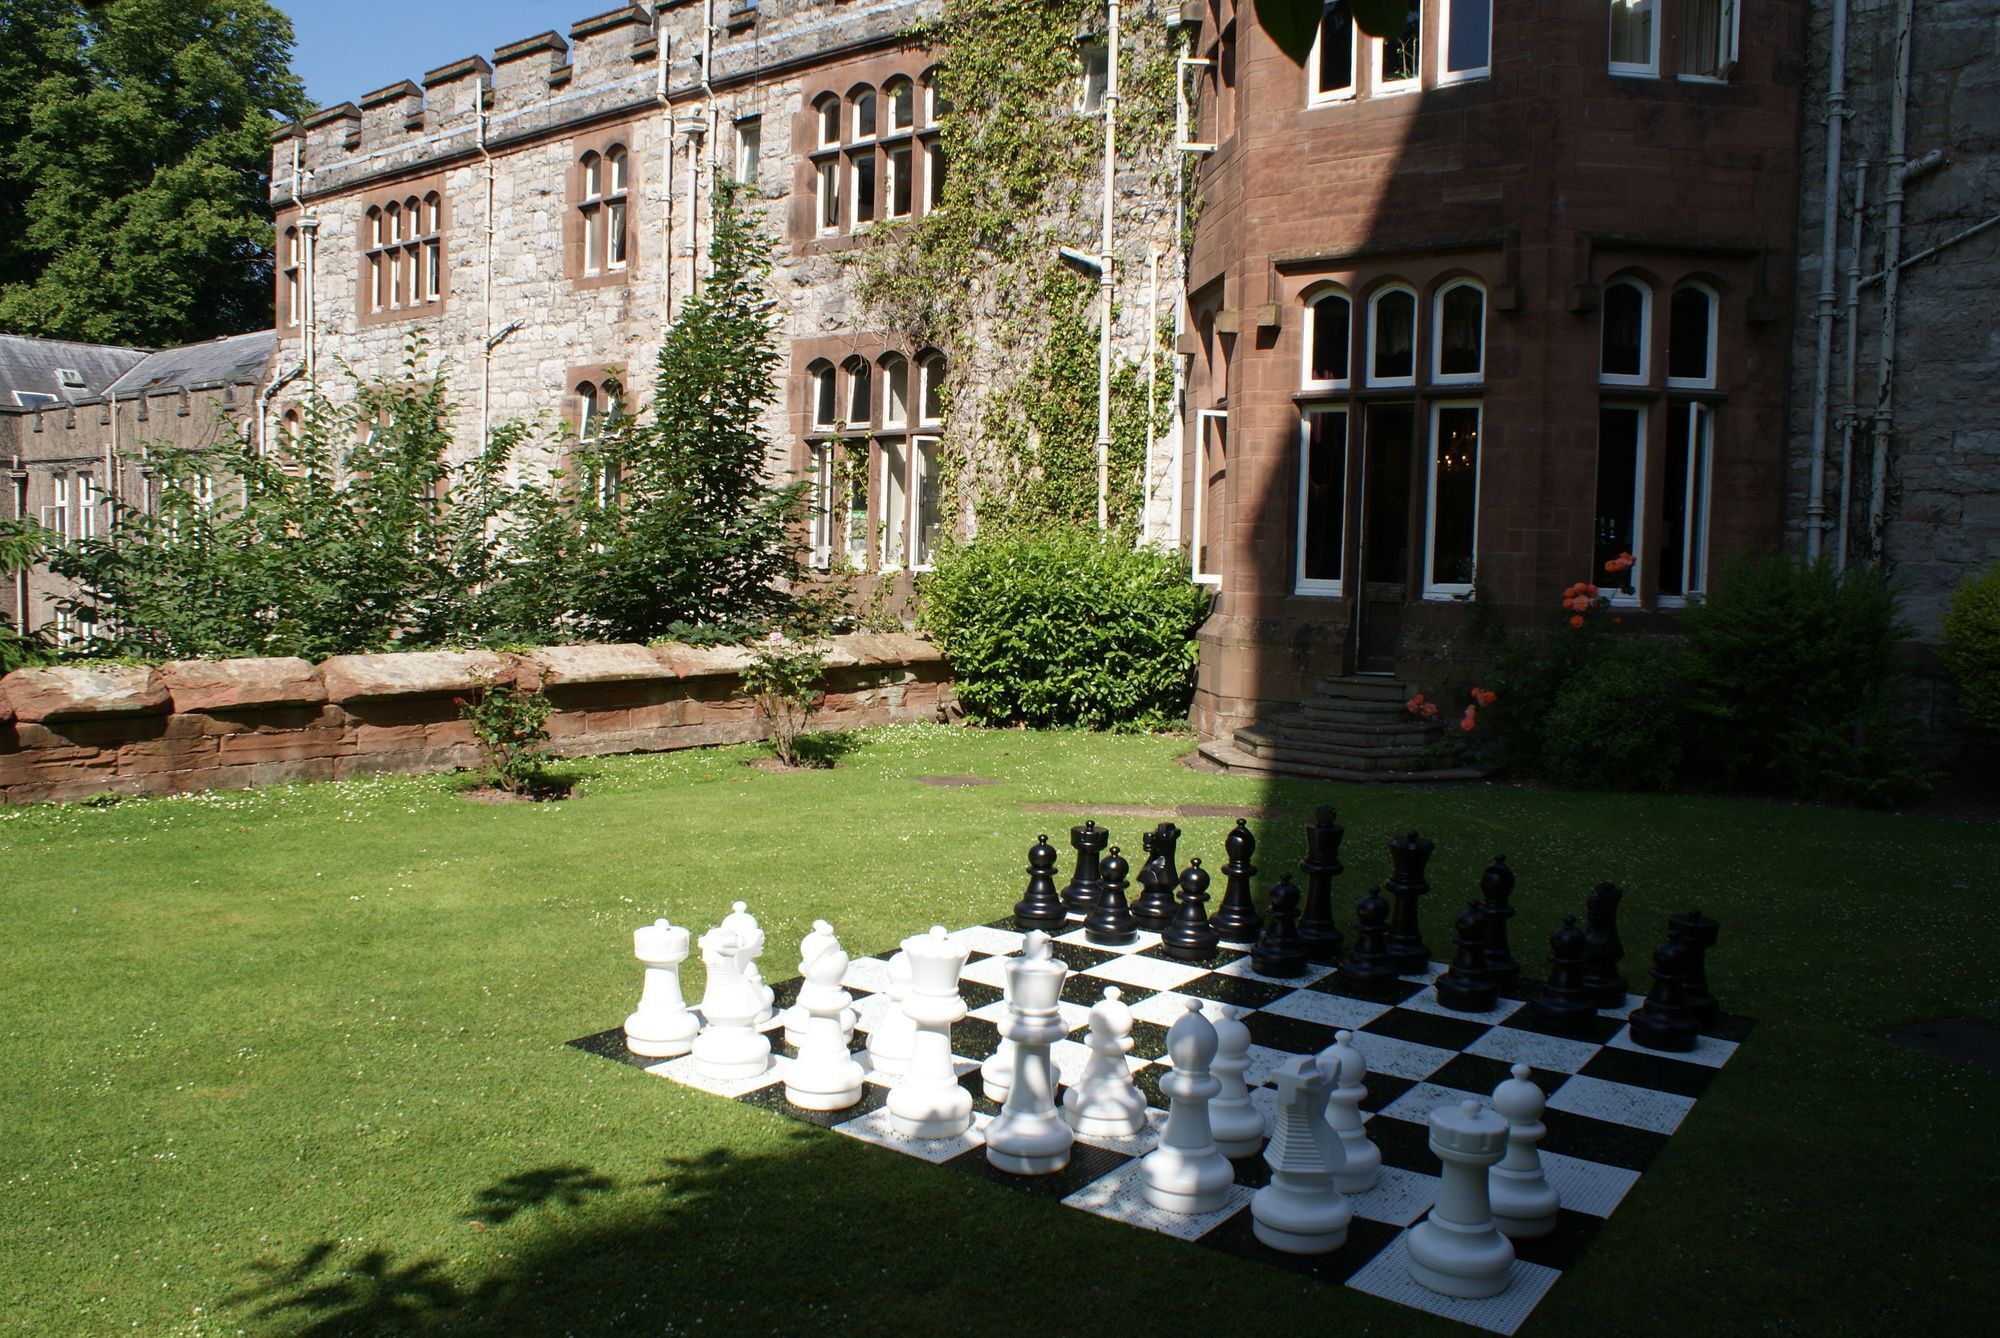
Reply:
x=1614, y=723
x=1791, y=683
x=1972, y=647
x=512, y=731
x=1066, y=627
x=787, y=680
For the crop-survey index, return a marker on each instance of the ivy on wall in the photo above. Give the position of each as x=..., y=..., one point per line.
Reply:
x=980, y=277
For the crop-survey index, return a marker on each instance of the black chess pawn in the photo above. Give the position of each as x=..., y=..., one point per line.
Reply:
x=1600, y=959
x=1110, y=922
x=1318, y=930
x=1698, y=933
x=1156, y=906
x=1496, y=887
x=1236, y=918
x=1280, y=951
x=1367, y=969
x=1189, y=937
x=1042, y=907
x=1088, y=841
x=1663, y=1022
x=1408, y=952
x=1467, y=986
x=1564, y=1004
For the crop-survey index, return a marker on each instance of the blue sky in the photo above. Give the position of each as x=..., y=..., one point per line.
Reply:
x=348, y=47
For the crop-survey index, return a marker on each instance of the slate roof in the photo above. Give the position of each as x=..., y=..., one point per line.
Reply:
x=31, y=364
x=232, y=358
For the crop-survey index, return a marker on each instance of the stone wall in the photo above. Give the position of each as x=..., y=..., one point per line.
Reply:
x=74, y=732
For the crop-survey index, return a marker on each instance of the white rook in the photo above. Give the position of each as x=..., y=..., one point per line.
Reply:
x=1458, y=1250
x=662, y=1026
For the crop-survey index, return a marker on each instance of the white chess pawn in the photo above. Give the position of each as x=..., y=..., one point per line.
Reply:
x=824, y=1076
x=1233, y=1117
x=1029, y=1136
x=1457, y=1250
x=928, y=1102
x=729, y=1046
x=751, y=935
x=1302, y=1211
x=1345, y=1068
x=1185, y=1173
x=1105, y=1102
x=893, y=1034
x=820, y=996
x=1524, y=1202
x=662, y=1026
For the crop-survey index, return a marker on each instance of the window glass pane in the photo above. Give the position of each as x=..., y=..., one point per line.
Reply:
x=896, y=409
x=864, y=115
x=902, y=108
x=432, y=266
x=593, y=240
x=1471, y=31
x=586, y=411
x=1455, y=493
x=934, y=168
x=1402, y=54
x=1620, y=464
x=1688, y=336
x=857, y=509
x=1624, y=330
x=859, y=397
x=1632, y=32
x=1335, y=73
x=749, y=147
x=899, y=181
x=1096, y=75
x=617, y=159
x=1684, y=518
x=927, y=500
x=934, y=390
x=822, y=506
x=614, y=231
x=1325, y=495
x=822, y=397
x=1707, y=36
x=1395, y=332
x=593, y=176
x=895, y=464
x=1461, y=331
x=1332, y=319
x=829, y=121
x=1385, y=529
x=864, y=186
x=829, y=195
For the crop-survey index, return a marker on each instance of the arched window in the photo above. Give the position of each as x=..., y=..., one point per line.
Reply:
x=863, y=102
x=823, y=401
x=895, y=391
x=1392, y=337
x=587, y=411
x=827, y=110
x=1628, y=316
x=1329, y=339
x=936, y=105
x=433, y=248
x=902, y=103
x=1458, y=323
x=1691, y=320
x=933, y=388
x=605, y=179
x=860, y=392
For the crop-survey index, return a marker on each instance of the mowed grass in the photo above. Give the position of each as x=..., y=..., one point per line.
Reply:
x=293, y=1061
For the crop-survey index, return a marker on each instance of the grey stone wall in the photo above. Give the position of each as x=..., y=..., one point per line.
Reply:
x=1942, y=503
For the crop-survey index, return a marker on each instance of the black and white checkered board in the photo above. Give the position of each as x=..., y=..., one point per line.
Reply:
x=1611, y=1104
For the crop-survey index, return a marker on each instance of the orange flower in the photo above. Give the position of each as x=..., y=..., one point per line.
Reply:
x=1483, y=697
x=1430, y=710
x=1576, y=620
x=1616, y=619
x=1470, y=720
x=1415, y=705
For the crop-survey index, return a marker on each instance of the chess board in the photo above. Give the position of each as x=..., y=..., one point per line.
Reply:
x=1612, y=1105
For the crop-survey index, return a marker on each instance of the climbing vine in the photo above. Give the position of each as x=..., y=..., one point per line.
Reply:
x=980, y=276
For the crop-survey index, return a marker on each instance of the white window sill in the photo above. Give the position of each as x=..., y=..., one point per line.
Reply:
x=1634, y=71
x=1318, y=589
x=1447, y=78
x=1206, y=579
x=1340, y=98
x=1447, y=594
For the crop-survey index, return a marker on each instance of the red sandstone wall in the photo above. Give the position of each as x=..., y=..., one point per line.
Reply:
x=71, y=732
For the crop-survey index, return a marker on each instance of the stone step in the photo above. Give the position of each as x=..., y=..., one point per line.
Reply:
x=1391, y=757
x=1375, y=733
x=1364, y=687
x=1335, y=711
x=1228, y=756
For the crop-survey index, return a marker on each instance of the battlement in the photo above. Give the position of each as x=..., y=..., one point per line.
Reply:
x=622, y=59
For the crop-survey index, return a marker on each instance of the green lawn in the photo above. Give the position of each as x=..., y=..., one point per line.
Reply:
x=292, y=1061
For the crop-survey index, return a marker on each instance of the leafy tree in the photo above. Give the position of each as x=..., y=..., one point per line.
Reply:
x=134, y=166
x=20, y=548
x=670, y=521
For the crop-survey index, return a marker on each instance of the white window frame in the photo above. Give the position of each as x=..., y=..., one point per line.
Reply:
x=868, y=155
x=55, y=516
x=1368, y=376
x=1309, y=341
x=933, y=176
x=919, y=554
x=895, y=519
x=1447, y=11
x=1645, y=372
x=895, y=367
x=828, y=205
x=826, y=104
x=86, y=505
x=1195, y=531
x=892, y=174
x=1699, y=481
x=1438, y=375
x=866, y=380
x=1728, y=42
x=1706, y=381
x=35, y=399
x=1450, y=589
x=1641, y=530
x=821, y=456
x=749, y=148
x=1314, y=97
x=856, y=99
x=886, y=120
x=815, y=377
x=1093, y=54
x=929, y=364
x=1630, y=69
x=1381, y=87
x=1301, y=583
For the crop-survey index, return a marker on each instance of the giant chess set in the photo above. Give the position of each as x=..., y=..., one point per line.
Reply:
x=1444, y=1136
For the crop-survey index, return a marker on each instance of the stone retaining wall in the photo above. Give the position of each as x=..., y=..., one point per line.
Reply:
x=71, y=732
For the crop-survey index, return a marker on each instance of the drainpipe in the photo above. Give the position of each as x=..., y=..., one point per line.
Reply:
x=1151, y=359
x=662, y=45
x=1847, y=413
x=1836, y=117
x=309, y=298
x=487, y=339
x=1105, y=285
x=1892, y=255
